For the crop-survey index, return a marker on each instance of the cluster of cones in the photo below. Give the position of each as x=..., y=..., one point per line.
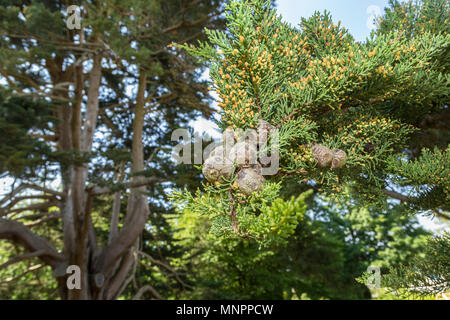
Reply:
x=325, y=157
x=243, y=156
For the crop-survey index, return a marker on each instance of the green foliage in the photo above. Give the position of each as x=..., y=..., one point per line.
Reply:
x=416, y=17
x=428, y=274
x=238, y=268
x=328, y=250
x=276, y=222
x=264, y=218
x=317, y=85
x=381, y=237
x=431, y=166
x=384, y=102
x=224, y=268
x=20, y=153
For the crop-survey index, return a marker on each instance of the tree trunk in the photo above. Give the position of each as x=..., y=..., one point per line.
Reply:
x=103, y=270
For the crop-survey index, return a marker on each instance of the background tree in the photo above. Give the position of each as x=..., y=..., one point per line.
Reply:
x=424, y=275
x=114, y=85
x=331, y=247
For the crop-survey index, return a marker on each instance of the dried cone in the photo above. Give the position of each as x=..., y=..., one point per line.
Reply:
x=218, y=152
x=257, y=167
x=323, y=155
x=339, y=159
x=249, y=181
x=216, y=168
x=243, y=153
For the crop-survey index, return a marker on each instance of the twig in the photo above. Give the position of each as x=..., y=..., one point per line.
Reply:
x=22, y=257
x=147, y=288
x=233, y=213
x=292, y=114
x=31, y=269
x=166, y=266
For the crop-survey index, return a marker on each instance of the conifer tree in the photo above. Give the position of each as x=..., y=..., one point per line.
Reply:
x=101, y=101
x=350, y=116
x=424, y=275
x=330, y=247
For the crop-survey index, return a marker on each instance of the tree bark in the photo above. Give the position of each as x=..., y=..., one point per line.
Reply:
x=103, y=270
x=137, y=209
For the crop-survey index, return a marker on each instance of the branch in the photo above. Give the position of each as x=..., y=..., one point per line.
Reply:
x=45, y=137
x=114, y=224
x=233, y=213
x=12, y=194
x=31, y=269
x=25, y=186
x=37, y=246
x=130, y=185
x=118, y=283
x=21, y=78
x=32, y=207
x=45, y=190
x=166, y=266
x=147, y=288
x=288, y=117
x=298, y=172
x=183, y=22
x=92, y=104
x=16, y=200
x=441, y=215
x=137, y=209
x=22, y=257
x=40, y=215
x=396, y=195
x=43, y=220
x=136, y=217
x=403, y=198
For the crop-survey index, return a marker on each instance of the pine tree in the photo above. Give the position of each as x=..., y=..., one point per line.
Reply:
x=95, y=141
x=20, y=153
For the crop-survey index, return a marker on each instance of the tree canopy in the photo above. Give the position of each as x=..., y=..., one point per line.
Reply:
x=358, y=132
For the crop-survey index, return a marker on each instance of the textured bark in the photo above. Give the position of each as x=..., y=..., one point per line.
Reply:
x=18, y=233
x=81, y=200
x=114, y=225
x=76, y=201
x=105, y=270
x=137, y=210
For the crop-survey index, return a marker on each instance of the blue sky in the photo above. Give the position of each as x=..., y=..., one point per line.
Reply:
x=353, y=14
